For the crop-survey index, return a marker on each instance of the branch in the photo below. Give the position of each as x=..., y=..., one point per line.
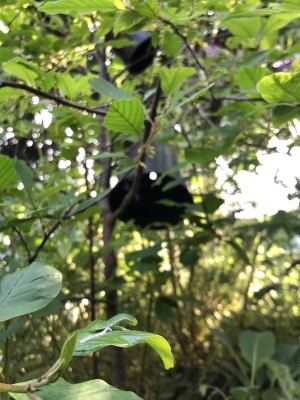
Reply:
x=56, y=99
x=233, y=98
x=188, y=46
x=19, y=233
x=48, y=234
x=148, y=133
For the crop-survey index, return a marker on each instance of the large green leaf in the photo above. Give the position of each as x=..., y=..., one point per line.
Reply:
x=77, y=6
x=125, y=116
x=256, y=347
x=124, y=338
x=28, y=290
x=90, y=390
x=8, y=173
x=107, y=89
x=100, y=334
x=280, y=87
x=173, y=78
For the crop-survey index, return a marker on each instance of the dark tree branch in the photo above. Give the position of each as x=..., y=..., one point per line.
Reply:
x=49, y=96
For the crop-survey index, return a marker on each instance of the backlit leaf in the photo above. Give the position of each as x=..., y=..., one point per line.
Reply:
x=280, y=87
x=77, y=6
x=125, y=116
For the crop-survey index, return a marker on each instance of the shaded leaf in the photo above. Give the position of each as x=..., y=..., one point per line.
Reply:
x=25, y=174
x=28, y=290
x=256, y=347
x=107, y=89
x=8, y=173
x=173, y=78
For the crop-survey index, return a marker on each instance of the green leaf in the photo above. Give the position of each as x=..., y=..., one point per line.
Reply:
x=282, y=374
x=245, y=28
x=171, y=44
x=28, y=290
x=25, y=174
x=248, y=77
x=100, y=334
x=90, y=202
x=66, y=353
x=8, y=173
x=256, y=347
x=10, y=93
x=125, y=116
x=224, y=340
x=77, y=7
x=283, y=114
x=147, y=8
x=211, y=203
x=184, y=97
x=107, y=89
x=203, y=155
x=12, y=328
x=165, y=309
x=173, y=78
x=280, y=87
x=126, y=21
x=5, y=54
x=23, y=69
x=245, y=393
x=98, y=325
x=91, y=390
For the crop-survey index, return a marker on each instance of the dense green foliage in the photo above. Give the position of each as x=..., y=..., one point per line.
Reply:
x=221, y=287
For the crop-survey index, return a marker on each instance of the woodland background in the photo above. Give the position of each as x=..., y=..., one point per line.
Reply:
x=222, y=286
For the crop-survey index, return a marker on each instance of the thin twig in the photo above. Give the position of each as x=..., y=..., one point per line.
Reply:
x=56, y=99
x=47, y=235
x=16, y=230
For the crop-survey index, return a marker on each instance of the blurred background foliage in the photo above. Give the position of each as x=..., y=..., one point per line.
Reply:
x=225, y=268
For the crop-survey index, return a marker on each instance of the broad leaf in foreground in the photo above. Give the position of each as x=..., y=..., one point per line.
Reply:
x=93, y=338
x=90, y=390
x=28, y=290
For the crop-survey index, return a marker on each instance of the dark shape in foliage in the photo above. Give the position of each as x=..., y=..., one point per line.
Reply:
x=139, y=56
x=27, y=148
x=150, y=206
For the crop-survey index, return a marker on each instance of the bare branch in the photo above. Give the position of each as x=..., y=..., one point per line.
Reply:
x=56, y=99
